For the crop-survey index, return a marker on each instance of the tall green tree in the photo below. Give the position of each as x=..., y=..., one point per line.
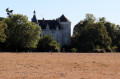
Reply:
x=117, y=41
x=90, y=35
x=3, y=36
x=21, y=34
x=3, y=27
x=113, y=31
x=48, y=44
x=89, y=19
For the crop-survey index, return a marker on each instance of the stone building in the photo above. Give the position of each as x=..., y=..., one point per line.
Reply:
x=59, y=29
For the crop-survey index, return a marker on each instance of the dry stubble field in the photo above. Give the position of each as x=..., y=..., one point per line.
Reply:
x=59, y=66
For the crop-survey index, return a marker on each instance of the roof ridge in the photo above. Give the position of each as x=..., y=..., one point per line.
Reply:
x=64, y=19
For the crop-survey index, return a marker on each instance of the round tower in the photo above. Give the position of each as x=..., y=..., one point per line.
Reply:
x=66, y=32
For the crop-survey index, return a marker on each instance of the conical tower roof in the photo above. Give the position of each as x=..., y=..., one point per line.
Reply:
x=63, y=19
x=34, y=19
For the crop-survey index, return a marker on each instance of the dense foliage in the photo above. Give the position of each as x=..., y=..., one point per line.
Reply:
x=3, y=27
x=21, y=34
x=17, y=34
x=89, y=35
x=48, y=44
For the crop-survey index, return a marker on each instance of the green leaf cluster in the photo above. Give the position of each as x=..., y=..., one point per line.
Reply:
x=21, y=34
x=3, y=27
x=89, y=35
x=48, y=44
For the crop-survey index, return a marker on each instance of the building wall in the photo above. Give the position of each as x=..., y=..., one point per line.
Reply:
x=62, y=36
x=66, y=32
x=55, y=33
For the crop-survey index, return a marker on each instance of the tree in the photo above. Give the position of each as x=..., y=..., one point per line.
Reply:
x=89, y=35
x=48, y=44
x=1, y=18
x=9, y=12
x=118, y=41
x=3, y=27
x=3, y=36
x=113, y=32
x=88, y=20
x=21, y=33
x=92, y=37
x=103, y=20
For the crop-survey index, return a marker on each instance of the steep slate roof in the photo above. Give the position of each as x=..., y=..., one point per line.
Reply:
x=63, y=19
x=34, y=19
x=52, y=24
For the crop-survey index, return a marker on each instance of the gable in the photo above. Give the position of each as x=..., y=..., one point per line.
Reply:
x=53, y=24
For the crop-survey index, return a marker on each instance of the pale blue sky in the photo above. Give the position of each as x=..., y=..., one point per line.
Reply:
x=74, y=10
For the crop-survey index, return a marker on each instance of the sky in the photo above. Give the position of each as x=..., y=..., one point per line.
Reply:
x=74, y=10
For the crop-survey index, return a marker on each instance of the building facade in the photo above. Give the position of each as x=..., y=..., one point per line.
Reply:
x=59, y=29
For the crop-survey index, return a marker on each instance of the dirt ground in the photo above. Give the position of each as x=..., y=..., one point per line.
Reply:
x=59, y=66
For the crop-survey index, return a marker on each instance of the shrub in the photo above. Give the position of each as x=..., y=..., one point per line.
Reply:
x=99, y=51
x=48, y=44
x=74, y=50
x=66, y=48
x=109, y=49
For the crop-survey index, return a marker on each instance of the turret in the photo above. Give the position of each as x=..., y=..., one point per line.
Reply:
x=34, y=19
x=66, y=25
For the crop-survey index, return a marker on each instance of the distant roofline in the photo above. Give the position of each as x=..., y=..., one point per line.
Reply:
x=62, y=18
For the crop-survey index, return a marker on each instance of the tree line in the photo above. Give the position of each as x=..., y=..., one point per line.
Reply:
x=91, y=35
x=17, y=34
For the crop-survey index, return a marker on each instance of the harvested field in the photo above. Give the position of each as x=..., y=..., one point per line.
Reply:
x=59, y=66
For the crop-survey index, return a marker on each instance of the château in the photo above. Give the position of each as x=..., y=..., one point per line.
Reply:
x=59, y=29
